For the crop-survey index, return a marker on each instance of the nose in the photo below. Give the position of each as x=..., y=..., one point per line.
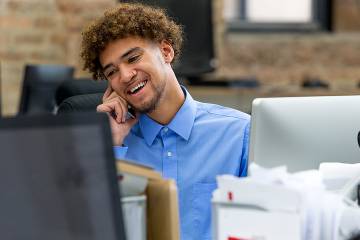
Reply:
x=127, y=74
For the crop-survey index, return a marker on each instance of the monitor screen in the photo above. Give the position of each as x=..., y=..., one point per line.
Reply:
x=58, y=179
x=302, y=132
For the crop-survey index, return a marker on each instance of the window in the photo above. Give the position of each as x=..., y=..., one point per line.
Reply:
x=277, y=15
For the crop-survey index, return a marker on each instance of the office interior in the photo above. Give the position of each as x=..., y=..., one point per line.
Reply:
x=321, y=59
x=234, y=52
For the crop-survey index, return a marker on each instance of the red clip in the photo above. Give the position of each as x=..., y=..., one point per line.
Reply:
x=230, y=196
x=235, y=238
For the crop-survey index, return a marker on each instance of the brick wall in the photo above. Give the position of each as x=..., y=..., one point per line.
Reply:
x=48, y=31
x=40, y=32
x=285, y=60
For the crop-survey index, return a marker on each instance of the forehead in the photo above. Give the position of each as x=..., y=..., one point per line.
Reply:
x=116, y=48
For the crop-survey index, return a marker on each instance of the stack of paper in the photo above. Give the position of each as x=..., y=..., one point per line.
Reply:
x=274, y=204
x=246, y=209
x=336, y=175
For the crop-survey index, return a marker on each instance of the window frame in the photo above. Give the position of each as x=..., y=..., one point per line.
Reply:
x=322, y=21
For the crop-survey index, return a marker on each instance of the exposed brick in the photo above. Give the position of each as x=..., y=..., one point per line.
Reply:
x=346, y=15
x=84, y=6
x=47, y=22
x=9, y=21
x=59, y=39
x=29, y=7
x=12, y=56
x=14, y=5
x=45, y=56
x=74, y=25
x=30, y=39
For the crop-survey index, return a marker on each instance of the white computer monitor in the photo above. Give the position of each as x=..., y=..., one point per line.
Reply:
x=302, y=132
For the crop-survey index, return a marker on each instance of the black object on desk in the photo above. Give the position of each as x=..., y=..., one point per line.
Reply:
x=39, y=87
x=58, y=179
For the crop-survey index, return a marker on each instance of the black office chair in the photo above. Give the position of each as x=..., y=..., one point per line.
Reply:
x=39, y=87
x=80, y=103
x=79, y=86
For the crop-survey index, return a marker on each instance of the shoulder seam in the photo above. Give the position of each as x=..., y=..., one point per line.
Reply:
x=224, y=115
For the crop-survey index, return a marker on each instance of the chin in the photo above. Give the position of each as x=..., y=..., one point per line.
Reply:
x=147, y=107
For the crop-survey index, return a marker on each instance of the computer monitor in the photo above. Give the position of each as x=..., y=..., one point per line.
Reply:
x=58, y=179
x=197, y=56
x=302, y=132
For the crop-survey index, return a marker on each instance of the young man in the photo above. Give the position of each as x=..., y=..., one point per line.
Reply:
x=133, y=47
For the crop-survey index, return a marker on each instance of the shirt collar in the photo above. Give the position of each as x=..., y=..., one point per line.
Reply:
x=181, y=124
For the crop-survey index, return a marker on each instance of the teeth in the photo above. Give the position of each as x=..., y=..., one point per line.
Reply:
x=139, y=85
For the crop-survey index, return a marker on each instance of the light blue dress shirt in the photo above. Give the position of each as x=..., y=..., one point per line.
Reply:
x=202, y=141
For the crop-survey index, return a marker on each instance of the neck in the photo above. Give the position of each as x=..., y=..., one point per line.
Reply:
x=172, y=100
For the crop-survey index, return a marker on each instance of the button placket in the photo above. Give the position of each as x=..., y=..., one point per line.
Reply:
x=169, y=153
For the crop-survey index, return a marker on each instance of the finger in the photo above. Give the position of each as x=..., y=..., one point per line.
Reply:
x=107, y=93
x=124, y=108
x=119, y=111
x=104, y=108
x=113, y=95
x=107, y=107
x=123, y=105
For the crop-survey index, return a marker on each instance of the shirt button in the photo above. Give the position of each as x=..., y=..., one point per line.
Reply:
x=169, y=154
x=165, y=129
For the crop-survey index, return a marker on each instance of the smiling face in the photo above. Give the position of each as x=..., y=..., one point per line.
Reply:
x=137, y=70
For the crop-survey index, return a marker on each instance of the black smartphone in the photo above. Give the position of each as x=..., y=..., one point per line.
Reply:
x=131, y=113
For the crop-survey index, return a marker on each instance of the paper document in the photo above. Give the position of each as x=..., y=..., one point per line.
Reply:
x=336, y=175
x=274, y=204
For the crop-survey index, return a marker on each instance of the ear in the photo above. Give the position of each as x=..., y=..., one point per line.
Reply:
x=167, y=51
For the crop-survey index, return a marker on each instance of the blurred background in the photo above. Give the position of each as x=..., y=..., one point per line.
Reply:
x=235, y=50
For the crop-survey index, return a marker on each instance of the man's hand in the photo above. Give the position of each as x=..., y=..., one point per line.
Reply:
x=117, y=109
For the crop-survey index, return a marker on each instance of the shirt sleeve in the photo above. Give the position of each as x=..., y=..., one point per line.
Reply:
x=245, y=151
x=120, y=152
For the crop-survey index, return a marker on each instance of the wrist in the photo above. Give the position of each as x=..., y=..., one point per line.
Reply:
x=118, y=141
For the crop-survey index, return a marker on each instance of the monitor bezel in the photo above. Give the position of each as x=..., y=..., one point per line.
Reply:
x=74, y=119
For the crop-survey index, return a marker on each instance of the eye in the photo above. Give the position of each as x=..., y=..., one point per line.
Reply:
x=109, y=73
x=133, y=59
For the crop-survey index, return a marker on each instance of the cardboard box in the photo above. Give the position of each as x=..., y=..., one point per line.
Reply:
x=162, y=202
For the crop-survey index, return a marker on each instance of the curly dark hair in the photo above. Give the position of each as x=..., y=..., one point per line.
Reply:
x=127, y=20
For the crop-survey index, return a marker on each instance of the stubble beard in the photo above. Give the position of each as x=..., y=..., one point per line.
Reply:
x=150, y=106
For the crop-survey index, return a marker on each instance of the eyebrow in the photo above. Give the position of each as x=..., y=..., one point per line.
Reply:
x=127, y=53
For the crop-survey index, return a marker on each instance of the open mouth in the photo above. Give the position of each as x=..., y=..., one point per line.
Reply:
x=137, y=88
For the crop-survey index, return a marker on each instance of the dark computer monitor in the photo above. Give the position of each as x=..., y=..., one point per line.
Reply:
x=58, y=179
x=39, y=87
x=1, y=94
x=197, y=56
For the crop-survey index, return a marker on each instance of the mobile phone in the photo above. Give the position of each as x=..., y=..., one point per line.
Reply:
x=130, y=113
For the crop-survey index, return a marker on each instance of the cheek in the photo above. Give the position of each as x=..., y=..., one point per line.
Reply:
x=117, y=88
x=115, y=84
